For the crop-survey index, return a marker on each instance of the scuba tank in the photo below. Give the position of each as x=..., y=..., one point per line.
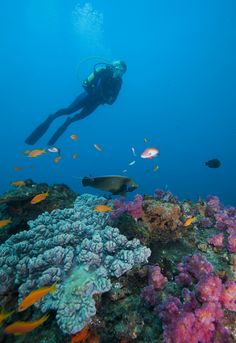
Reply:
x=90, y=83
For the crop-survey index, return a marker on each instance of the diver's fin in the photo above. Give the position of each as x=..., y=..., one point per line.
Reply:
x=39, y=131
x=59, y=132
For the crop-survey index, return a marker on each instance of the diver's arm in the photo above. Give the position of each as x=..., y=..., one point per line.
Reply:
x=112, y=98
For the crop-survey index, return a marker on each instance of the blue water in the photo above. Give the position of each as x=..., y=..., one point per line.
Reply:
x=179, y=91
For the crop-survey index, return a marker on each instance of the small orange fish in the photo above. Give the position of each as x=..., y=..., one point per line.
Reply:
x=36, y=152
x=103, y=208
x=17, y=168
x=4, y=222
x=35, y=296
x=38, y=198
x=57, y=159
x=74, y=137
x=97, y=147
x=189, y=221
x=20, y=327
x=5, y=315
x=81, y=335
x=18, y=183
x=74, y=155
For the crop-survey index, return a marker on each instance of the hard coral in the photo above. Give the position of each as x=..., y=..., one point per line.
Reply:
x=162, y=220
x=74, y=247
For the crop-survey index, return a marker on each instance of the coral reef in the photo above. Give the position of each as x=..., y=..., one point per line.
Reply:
x=15, y=204
x=164, y=301
x=162, y=220
x=74, y=247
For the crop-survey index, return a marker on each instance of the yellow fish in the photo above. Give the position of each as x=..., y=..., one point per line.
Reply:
x=18, y=183
x=189, y=221
x=20, y=327
x=35, y=296
x=38, y=198
x=36, y=152
x=4, y=222
x=5, y=315
x=103, y=208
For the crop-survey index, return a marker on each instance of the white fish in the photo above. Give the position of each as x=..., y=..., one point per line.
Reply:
x=133, y=151
x=132, y=163
x=53, y=149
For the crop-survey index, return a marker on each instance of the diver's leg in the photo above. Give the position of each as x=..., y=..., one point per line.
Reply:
x=84, y=113
x=76, y=105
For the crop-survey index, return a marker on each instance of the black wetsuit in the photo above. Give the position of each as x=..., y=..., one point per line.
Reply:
x=103, y=89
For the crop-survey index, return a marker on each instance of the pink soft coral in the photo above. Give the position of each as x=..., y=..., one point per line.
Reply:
x=232, y=243
x=209, y=288
x=134, y=208
x=228, y=296
x=217, y=240
x=156, y=278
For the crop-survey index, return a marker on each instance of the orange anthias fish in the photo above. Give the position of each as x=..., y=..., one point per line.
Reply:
x=17, y=168
x=74, y=155
x=57, y=159
x=74, y=137
x=4, y=222
x=36, y=152
x=97, y=147
x=81, y=336
x=35, y=296
x=103, y=208
x=20, y=327
x=189, y=221
x=39, y=198
x=5, y=315
x=18, y=183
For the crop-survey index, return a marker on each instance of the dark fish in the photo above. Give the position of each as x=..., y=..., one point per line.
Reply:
x=215, y=163
x=115, y=184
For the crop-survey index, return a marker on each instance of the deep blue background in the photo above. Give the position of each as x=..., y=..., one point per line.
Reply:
x=179, y=91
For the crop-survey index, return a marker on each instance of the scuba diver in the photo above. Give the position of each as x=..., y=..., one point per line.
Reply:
x=101, y=87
